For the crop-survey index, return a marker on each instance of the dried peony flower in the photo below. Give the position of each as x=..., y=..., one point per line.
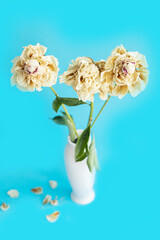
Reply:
x=123, y=72
x=54, y=202
x=53, y=217
x=33, y=70
x=53, y=184
x=84, y=76
x=4, y=207
x=37, y=190
x=13, y=193
x=47, y=199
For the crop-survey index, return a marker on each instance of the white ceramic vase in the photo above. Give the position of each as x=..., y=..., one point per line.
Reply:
x=80, y=178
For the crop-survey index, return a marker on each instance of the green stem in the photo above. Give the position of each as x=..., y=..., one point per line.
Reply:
x=100, y=111
x=91, y=113
x=66, y=112
x=54, y=91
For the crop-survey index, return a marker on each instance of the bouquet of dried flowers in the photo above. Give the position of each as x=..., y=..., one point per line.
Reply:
x=123, y=72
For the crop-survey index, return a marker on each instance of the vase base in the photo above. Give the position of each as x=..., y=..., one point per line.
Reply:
x=85, y=200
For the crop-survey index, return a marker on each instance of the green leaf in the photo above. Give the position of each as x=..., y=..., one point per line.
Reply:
x=71, y=101
x=67, y=101
x=56, y=104
x=92, y=160
x=59, y=120
x=82, y=157
x=96, y=163
x=72, y=133
x=82, y=142
x=64, y=120
x=64, y=114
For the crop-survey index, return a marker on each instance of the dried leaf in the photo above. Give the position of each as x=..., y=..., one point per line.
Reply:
x=47, y=199
x=4, y=206
x=53, y=217
x=37, y=190
x=54, y=202
x=13, y=193
x=53, y=184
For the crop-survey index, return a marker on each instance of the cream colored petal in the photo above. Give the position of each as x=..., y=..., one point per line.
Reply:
x=49, y=79
x=42, y=48
x=15, y=59
x=91, y=98
x=37, y=190
x=13, y=79
x=107, y=76
x=133, y=79
x=53, y=79
x=120, y=50
x=17, y=68
x=83, y=95
x=141, y=59
x=38, y=88
x=53, y=184
x=110, y=62
x=133, y=54
x=119, y=80
x=47, y=199
x=67, y=80
x=22, y=84
x=52, y=60
x=53, y=217
x=69, y=76
x=16, y=65
x=101, y=65
x=120, y=91
x=83, y=60
x=17, y=78
x=13, y=193
x=26, y=52
x=4, y=207
x=28, y=88
x=103, y=95
x=106, y=90
x=54, y=202
x=144, y=74
x=137, y=87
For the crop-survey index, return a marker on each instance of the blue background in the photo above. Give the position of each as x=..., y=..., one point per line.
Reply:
x=127, y=204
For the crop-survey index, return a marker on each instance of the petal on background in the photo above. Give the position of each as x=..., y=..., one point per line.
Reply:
x=120, y=50
x=110, y=62
x=107, y=76
x=144, y=74
x=120, y=91
x=136, y=88
x=141, y=59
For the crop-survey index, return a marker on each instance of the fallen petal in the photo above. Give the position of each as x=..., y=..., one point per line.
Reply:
x=4, y=207
x=37, y=190
x=53, y=217
x=47, y=199
x=13, y=193
x=53, y=184
x=54, y=202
